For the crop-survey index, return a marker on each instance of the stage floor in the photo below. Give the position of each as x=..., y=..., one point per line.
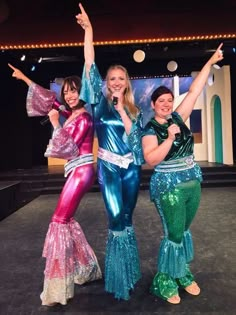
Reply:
x=22, y=236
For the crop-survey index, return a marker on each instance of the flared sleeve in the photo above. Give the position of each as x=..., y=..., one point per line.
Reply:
x=39, y=101
x=61, y=145
x=134, y=140
x=91, y=86
x=67, y=141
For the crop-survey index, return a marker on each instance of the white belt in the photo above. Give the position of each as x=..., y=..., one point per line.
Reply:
x=119, y=160
x=79, y=161
x=181, y=164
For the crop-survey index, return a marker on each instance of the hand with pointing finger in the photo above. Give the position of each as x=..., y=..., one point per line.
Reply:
x=82, y=18
x=18, y=74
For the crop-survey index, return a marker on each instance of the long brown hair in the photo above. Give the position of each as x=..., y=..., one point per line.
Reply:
x=128, y=94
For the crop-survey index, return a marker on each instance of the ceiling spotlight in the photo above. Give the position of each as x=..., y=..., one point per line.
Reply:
x=40, y=60
x=22, y=58
x=33, y=68
x=139, y=55
x=172, y=66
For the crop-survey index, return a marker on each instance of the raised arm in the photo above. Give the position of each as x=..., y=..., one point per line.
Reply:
x=18, y=74
x=83, y=20
x=39, y=101
x=186, y=106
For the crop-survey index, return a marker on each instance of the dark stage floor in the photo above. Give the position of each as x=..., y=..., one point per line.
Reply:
x=21, y=268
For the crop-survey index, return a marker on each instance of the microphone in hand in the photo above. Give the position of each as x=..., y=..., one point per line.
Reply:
x=171, y=122
x=115, y=100
x=46, y=119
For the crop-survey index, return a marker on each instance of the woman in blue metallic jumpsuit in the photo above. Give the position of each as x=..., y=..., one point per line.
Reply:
x=118, y=129
x=175, y=184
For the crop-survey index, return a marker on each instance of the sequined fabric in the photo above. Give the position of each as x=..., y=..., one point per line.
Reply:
x=81, y=160
x=91, y=88
x=61, y=145
x=109, y=126
x=175, y=190
x=39, y=100
x=134, y=254
x=134, y=140
x=176, y=249
x=74, y=139
x=116, y=159
x=119, y=185
x=174, y=257
x=164, y=286
x=69, y=257
x=122, y=269
x=69, y=260
x=163, y=182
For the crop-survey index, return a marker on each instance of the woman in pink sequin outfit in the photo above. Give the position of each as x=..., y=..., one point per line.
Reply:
x=69, y=257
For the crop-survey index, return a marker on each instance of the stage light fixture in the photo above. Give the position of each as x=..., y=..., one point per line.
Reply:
x=172, y=66
x=139, y=55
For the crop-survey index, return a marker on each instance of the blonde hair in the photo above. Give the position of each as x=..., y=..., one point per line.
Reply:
x=128, y=93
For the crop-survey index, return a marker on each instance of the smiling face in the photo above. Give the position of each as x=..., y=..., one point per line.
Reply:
x=117, y=80
x=71, y=95
x=163, y=106
x=162, y=103
x=70, y=92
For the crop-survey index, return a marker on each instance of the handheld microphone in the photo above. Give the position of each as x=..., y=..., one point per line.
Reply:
x=170, y=122
x=115, y=100
x=46, y=119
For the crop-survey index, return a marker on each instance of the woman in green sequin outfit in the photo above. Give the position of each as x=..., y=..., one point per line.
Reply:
x=175, y=185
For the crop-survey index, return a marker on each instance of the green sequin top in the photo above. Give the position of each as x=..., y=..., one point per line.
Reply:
x=180, y=148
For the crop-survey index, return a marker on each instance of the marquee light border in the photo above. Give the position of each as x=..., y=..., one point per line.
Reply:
x=121, y=42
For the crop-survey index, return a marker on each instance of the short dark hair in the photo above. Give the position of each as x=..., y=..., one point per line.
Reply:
x=160, y=91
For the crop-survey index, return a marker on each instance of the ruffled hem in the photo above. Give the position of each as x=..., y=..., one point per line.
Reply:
x=174, y=257
x=69, y=260
x=172, y=260
x=164, y=286
x=122, y=268
x=187, y=279
x=188, y=246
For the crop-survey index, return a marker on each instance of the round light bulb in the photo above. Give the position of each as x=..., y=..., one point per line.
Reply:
x=139, y=55
x=172, y=66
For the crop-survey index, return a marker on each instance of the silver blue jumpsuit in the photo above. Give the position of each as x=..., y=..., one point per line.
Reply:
x=119, y=167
